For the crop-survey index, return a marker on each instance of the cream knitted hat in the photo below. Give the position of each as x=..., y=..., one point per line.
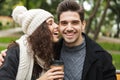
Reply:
x=31, y=19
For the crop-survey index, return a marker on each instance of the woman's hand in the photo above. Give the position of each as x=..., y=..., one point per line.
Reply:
x=2, y=55
x=51, y=74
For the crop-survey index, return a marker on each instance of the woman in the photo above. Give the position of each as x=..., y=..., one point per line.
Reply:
x=29, y=57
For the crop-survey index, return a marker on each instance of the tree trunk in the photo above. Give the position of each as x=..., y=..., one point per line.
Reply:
x=89, y=21
x=118, y=31
x=117, y=20
x=27, y=4
x=101, y=21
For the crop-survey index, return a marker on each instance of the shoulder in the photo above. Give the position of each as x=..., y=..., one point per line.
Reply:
x=12, y=54
x=10, y=66
x=13, y=50
x=96, y=49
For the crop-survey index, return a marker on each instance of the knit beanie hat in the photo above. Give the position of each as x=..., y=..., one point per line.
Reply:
x=31, y=19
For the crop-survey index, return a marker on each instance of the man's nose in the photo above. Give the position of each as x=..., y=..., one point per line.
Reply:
x=69, y=26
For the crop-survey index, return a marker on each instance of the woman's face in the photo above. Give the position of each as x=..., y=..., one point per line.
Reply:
x=53, y=28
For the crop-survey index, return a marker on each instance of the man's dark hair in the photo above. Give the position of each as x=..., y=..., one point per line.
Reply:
x=70, y=5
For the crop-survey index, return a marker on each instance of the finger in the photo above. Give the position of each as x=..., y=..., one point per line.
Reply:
x=56, y=77
x=3, y=52
x=1, y=58
x=55, y=69
x=1, y=63
x=56, y=74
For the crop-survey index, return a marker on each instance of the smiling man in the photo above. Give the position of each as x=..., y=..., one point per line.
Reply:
x=83, y=58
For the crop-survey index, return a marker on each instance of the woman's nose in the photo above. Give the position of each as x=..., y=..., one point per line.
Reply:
x=55, y=25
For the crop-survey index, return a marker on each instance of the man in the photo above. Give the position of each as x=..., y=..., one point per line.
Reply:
x=83, y=58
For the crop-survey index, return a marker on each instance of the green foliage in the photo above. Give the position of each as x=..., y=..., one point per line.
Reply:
x=114, y=49
x=7, y=39
x=116, y=60
x=110, y=46
x=2, y=48
x=7, y=6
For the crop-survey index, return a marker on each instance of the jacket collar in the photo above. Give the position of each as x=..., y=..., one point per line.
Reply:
x=91, y=49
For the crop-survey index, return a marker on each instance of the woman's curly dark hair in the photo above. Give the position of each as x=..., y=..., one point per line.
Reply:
x=41, y=43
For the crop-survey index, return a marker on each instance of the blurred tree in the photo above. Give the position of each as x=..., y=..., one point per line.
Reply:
x=2, y=1
x=96, y=16
x=101, y=20
x=115, y=7
x=6, y=7
x=100, y=15
x=92, y=16
x=51, y=5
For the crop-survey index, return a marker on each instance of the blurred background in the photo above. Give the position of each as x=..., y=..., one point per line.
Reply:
x=102, y=17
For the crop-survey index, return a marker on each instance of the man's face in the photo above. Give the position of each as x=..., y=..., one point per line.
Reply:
x=71, y=28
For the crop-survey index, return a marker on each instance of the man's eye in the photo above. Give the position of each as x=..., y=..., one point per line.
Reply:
x=63, y=23
x=75, y=22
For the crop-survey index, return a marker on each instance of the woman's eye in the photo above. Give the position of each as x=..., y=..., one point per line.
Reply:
x=50, y=23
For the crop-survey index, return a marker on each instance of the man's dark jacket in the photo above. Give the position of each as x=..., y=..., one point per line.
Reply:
x=98, y=63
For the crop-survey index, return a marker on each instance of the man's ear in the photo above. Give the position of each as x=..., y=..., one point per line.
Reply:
x=83, y=26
